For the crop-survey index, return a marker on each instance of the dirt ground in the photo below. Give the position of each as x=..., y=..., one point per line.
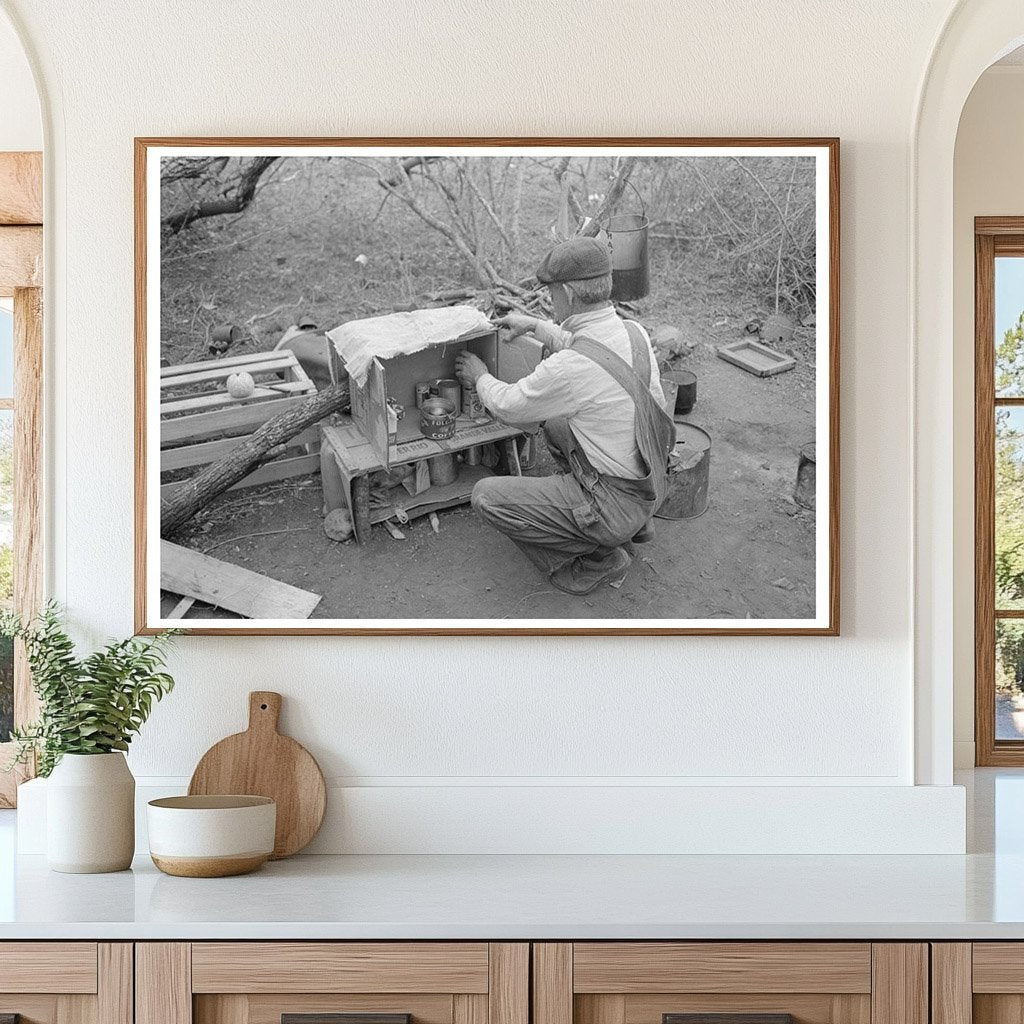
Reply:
x=751, y=555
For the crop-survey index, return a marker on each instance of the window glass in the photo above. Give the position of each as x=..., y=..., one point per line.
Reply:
x=1009, y=327
x=6, y=568
x=1009, y=513
x=1009, y=679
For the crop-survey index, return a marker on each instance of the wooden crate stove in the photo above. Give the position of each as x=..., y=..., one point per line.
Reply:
x=369, y=441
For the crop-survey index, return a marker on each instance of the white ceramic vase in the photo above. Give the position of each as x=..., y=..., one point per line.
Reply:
x=90, y=814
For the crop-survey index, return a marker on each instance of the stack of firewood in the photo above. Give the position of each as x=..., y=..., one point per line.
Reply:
x=503, y=298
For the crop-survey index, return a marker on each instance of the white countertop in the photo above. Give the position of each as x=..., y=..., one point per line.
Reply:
x=977, y=896
x=516, y=897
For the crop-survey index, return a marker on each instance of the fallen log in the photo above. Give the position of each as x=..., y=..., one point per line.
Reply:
x=195, y=494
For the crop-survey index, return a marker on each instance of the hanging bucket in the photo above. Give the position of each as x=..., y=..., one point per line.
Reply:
x=630, y=265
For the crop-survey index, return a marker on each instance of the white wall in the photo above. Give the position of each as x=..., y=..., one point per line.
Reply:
x=987, y=181
x=21, y=126
x=435, y=715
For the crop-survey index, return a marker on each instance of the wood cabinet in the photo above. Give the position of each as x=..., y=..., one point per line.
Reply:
x=66, y=982
x=748, y=982
x=978, y=983
x=512, y=983
x=309, y=982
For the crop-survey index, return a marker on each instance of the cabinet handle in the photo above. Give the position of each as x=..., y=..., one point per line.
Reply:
x=727, y=1018
x=335, y=1018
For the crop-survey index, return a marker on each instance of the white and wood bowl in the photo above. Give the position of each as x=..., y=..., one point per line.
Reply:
x=211, y=836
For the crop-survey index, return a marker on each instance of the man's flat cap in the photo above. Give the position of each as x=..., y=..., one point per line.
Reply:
x=578, y=259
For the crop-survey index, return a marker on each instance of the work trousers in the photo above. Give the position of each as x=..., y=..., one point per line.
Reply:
x=554, y=519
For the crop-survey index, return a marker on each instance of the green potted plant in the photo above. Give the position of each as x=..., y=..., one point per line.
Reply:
x=90, y=708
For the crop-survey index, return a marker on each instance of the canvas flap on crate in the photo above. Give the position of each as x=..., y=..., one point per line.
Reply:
x=400, y=334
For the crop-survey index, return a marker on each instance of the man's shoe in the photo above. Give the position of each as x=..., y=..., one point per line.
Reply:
x=584, y=574
x=645, y=533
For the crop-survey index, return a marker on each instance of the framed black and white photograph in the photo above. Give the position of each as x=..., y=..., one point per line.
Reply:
x=499, y=386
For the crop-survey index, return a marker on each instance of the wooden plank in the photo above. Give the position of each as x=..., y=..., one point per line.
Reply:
x=210, y=451
x=999, y=1008
x=552, y=983
x=163, y=983
x=31, y=1009
x=468, y=1009
x=229, y=1009
x=21, y=188
x=76, y=1009
x=28, y=483
x=181, y=609
x=722, y=967
x=951, y=1000
x=21, y=259
x=217, y=370
x=222, y=398
x=236, y=361
x=999, y=225
x=223, y=585
x=603, y=1009
x=508, y=993
x=805, y=1008
x=998, y=967
x=115, y=983
x=376, y=425
x=269, y=472
x=984, y=504
x=237, y=419
x=339, y=967
x=66, y=967
x=899, y=989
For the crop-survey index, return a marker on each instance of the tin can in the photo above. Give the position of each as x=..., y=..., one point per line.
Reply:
x=450, y=389
x=471, y=404
x=437, y=419
x=423, y=392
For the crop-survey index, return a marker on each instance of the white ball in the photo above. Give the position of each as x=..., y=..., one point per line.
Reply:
x=241, y=385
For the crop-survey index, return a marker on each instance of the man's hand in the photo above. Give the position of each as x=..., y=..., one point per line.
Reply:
x=517, y=324
x=469, y=368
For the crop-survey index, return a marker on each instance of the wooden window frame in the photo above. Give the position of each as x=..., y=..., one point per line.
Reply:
x=21, y=272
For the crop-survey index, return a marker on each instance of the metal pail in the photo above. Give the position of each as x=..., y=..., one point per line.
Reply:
x=630, y=264
x=689, y=474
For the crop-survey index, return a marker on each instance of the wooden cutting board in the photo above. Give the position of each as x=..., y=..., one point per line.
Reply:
x=262, y=762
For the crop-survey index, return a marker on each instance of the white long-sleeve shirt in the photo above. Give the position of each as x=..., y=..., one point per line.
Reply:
x=571, y=385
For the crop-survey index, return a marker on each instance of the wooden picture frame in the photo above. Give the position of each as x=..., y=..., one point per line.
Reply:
x=826, y=590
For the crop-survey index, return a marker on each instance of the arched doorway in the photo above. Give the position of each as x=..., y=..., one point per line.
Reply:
x=976, y=34
x=21, y=195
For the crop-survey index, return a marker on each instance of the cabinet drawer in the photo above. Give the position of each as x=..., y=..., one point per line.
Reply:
x=340, y=967
x=66, y=982
x=65, y=967
x=981, y=982
x=730, y=983
x=332, y=983
x=634, y=967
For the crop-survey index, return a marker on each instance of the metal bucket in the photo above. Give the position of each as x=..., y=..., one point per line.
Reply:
x=437, y=419
x=685, y=387
x=689, y=474
x=630, y=264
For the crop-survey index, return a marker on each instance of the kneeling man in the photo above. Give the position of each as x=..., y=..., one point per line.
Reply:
x=599, y=397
